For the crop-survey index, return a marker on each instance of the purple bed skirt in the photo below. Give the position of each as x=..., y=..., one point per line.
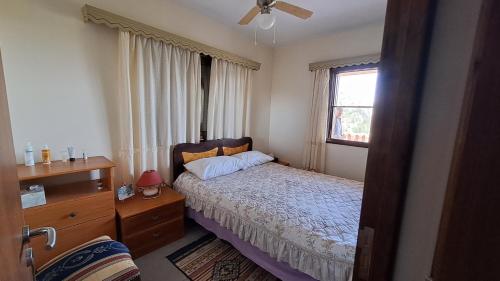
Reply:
x=279, y=269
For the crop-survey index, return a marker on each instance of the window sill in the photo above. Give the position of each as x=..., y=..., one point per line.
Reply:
x=348, y=142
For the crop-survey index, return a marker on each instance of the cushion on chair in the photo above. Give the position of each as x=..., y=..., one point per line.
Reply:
x=99, y=259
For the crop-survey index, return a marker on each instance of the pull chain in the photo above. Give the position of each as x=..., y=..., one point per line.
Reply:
x=255, y=36
x=274, y=34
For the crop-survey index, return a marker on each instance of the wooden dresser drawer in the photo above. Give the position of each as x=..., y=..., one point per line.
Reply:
x=71, y=237
x=145, y=220
x=155, y=237
x=69, y=213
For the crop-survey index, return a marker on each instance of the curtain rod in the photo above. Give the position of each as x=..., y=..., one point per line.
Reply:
x=111, y=20
x=373, y=58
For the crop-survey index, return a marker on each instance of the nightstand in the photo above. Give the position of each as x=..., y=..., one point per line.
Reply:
x=281, y=162
x=284, y=163
x=145, y=225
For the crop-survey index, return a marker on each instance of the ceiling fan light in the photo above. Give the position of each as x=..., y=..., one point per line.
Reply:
x=266, y=21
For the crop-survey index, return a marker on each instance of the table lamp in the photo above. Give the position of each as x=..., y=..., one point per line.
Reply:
x=150, y=184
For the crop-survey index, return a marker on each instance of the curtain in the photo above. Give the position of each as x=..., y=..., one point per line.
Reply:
x=228, y=103
x=315, y=146
x=159, y=103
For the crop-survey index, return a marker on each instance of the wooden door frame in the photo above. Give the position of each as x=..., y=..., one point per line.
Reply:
x=467, y=247
x=407, y=34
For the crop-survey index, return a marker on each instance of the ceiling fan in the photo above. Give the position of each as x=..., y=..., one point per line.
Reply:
x=266, y=20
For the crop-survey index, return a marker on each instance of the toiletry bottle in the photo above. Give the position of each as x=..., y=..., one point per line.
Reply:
x=29, y=157
x=71, y=153
x=45, y=154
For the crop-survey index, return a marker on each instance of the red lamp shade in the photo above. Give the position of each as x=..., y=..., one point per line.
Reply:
x=149, y=178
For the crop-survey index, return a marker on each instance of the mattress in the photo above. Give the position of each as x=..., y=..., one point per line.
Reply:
x=305, y=219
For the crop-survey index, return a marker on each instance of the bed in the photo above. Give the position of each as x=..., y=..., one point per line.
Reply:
x=296, y=224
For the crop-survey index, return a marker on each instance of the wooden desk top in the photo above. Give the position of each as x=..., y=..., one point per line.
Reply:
x=137, y=205
x=57, y=168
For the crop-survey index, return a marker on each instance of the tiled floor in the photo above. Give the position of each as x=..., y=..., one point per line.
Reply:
x=155, y=266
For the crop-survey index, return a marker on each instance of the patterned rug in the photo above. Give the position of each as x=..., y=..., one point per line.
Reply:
x=212, y=259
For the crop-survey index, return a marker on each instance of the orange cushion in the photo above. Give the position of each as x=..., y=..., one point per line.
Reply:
x=188, y=156
x=234, y=150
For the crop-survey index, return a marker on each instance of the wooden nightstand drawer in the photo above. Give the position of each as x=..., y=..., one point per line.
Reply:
x=155, y=237
x=72, y=212
x=151, y=218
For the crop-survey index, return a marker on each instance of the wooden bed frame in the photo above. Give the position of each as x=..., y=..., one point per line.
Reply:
x=178, y=160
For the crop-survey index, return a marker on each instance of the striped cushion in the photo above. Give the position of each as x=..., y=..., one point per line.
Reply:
x=99, y=259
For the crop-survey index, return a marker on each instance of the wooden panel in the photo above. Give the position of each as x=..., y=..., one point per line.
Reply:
x=57, y=168
x=11, y=214
x=404, y=53
x=73, y=236
x=155, y=237
x=151, y=218
x=468, y=243
x=71, y=212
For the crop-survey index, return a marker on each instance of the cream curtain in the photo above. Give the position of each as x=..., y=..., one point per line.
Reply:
x=159, y=103
x=314, y=152
x=228, y=103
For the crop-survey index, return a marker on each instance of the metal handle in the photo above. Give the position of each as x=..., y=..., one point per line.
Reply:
x=30, y=261
x=365, y=242
x=49, y=232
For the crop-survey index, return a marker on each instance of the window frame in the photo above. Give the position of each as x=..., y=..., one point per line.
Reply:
x=331, y=104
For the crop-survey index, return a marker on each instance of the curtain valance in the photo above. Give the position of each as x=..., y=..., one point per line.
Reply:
x=99, y=16
x=373, y=58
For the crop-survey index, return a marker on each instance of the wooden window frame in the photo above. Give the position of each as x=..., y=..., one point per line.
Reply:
x=331, y=102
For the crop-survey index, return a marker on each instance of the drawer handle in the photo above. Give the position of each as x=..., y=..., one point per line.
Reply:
x=72, y=215
x=156, y=235
x=155, y=218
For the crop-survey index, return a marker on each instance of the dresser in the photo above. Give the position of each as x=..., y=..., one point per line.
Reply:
x=80, y=209
x=148, y=224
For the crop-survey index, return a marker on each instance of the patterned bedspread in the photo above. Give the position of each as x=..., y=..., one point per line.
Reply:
x=306, y=219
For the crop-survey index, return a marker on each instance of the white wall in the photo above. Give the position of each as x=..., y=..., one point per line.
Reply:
x=292, y=90
x=444, y=87
x=61, y=72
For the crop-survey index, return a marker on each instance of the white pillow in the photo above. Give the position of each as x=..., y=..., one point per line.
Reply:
x=207, y=168
x=253, y=158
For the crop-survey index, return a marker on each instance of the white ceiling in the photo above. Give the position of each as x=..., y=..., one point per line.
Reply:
x=329, y=16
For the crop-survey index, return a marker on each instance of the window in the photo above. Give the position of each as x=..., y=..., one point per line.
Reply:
x=352, y=93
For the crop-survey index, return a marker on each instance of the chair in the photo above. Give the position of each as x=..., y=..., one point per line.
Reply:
x=99, y=259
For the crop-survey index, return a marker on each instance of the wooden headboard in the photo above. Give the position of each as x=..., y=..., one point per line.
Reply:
x=178, y=160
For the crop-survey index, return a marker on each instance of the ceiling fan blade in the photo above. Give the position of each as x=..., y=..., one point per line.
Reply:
x=294, y=10
x=250, y=15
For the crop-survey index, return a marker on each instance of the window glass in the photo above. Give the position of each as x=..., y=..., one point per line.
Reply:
x=356, y=88
x=352, y=108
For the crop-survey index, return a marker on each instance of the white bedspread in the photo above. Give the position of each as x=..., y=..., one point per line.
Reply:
x=306, y=219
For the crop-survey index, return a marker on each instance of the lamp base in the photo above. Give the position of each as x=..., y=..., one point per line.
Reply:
x=151, y=192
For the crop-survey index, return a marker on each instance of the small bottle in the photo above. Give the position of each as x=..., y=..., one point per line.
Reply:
x=45, y=154
x=29, y=157
x=71, y=153
x=64, y=156
x=85, y=156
